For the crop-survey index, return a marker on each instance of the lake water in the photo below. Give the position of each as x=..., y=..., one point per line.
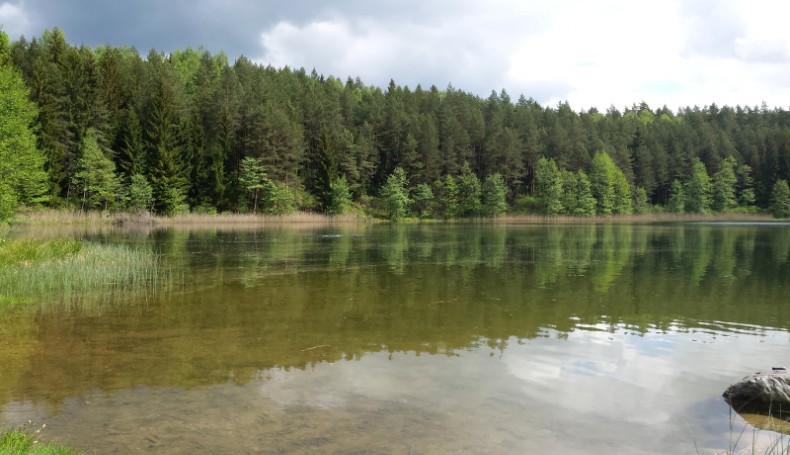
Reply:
x=591, y=339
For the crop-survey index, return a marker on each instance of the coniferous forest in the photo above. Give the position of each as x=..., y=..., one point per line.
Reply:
x=110, y=129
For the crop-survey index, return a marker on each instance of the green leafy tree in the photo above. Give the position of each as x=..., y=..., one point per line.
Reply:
x=548, y=185
x=494, y=193
x=724, y=185
x=446, y=191
x=395, y=195
x=745, y=191
x=468, y=192
x=585, y=202
x=421, y=198
x=140, y=194
x=22, y=177
x=95, y=178
x=640, y=200
x=340, y=197
x=602, y=183
x=677, y=198
x=698, y=189
x=780, y=199
x=623, y=199
x=253, y=179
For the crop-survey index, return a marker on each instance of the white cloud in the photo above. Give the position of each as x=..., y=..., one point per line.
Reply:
x=14, y=19
x=598, y=54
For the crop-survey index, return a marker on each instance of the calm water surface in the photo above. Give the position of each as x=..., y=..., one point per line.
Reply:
x=411, y=339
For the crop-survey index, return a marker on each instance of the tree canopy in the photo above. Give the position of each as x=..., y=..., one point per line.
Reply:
x=186, y=122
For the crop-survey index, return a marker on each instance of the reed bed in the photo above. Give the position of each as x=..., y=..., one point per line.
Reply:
x=630, y=219
x=67, y=270
x=259, y=219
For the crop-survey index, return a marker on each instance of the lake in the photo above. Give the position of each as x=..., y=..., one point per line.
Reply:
x=409, y=339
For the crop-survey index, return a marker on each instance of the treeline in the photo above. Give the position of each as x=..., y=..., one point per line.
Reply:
x=190, y=131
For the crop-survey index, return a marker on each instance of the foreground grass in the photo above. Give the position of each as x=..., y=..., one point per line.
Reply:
x=74, y=269
x=15, y=442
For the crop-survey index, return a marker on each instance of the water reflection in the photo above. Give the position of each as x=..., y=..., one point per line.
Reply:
x=466, y=338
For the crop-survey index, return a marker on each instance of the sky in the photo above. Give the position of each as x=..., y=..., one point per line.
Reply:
x=589, y=53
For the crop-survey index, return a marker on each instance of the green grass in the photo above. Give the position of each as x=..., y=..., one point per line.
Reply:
x=73, y=270
x=15, y=442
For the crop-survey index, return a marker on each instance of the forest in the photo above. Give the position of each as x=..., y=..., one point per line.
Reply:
x=108, y=129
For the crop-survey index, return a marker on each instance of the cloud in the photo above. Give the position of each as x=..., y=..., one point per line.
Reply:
x=14, y=19
x=610, y=52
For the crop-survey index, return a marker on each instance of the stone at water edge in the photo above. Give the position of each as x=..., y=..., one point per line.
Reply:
x=763, y=393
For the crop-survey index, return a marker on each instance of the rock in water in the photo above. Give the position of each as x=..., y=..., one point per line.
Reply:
x=763, y=393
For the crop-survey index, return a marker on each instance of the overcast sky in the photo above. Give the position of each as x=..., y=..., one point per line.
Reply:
x=590, y=53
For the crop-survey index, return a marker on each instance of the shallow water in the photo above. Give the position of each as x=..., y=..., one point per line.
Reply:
x=411, y=339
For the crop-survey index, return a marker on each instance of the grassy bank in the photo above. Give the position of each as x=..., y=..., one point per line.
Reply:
x=15, y=442
x=73, y=269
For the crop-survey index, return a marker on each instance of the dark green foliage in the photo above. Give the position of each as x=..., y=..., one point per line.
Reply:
x=187, y=119
x=780, y=199
x=494, y=194
x=468, y=192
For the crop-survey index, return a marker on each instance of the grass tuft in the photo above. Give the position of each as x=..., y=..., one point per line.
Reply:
x=16, y=442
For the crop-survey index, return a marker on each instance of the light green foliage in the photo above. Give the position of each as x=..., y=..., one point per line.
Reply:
x=468, y=192
x=724, y=183
x=677, y=198
x=22, y=178
x=622, y=203
x=698, y=189
x=140, y=194
x=640, y=200
x=494, y=194
x=253, y=179
x=548, y=185
x=602, y=184
x=421, y=198
x=446, y=191
x=780, y=199
x=584, y=202
x=340, y=197
x=95, y=179
x=395, y=195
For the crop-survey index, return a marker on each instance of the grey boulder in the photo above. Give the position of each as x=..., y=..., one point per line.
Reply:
x=763, y=393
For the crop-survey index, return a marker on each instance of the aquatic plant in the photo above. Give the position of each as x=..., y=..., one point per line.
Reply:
x=73, y=270
x=17, y=442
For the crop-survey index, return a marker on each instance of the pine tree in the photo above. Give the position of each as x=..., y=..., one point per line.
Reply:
x=468, y=192
x=395, y=195
x=95, y=179
x=677, y=198
x=548, y=185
